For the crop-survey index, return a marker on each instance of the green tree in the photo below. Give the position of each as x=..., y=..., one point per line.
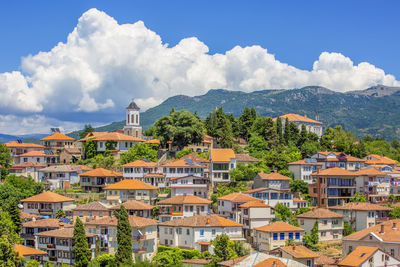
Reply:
x=309, y=148
x=90, y=148
x=223, y=248
x=301, y=211
x=279, y=130
x=183, y=153
x=246, y=172
x=283, y=213
x=33, y=263
x=138, y=151
x=168, y=258
x=395, y=213
x=86, y=130
x=15, y=215
x=124, y=237
x=303, y=137
x=105, y=260
x=312, y=239
x=224, y=133
x=5, y=160
x=264, y=127
x=298, y=186
x=8, y=257
x=81, y=246
x=245, y=122
x=286, y=133
x=60, y=214
x=181, y=127
x=348, y=229
x=358, y=198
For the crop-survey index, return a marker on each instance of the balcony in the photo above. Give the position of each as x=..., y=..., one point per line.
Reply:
x=45, y=210
x=52, y=258
x=191, y=185
x=177, y=213
x=51, y=245
x=139, y=250
x=382, y=219
x=139, y=237
x=27, y=235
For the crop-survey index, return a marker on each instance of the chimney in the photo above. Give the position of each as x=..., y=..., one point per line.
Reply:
x=382, y=229
x=394, y=226
x=208, y=221
x=318, y=169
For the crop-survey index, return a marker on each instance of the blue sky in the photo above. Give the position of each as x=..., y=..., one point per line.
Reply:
x=295, y=31
x=236, y=45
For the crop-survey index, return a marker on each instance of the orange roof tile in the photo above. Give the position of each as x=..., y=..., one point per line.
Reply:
x=153, y=141
x=365, y=206
x=254, y=204
x=299, y=252
x=48, y=197
x=130, y=184
x=93, y=206
x=273, y=176
x=194, y=157
x=324, y=261
x=303, y=162
x=113, y=136
x=27, y=164
x=222, y=155
x=28, y=216
x=184, y=199
x=45, y=223
x=24, y=251
x=389, y=234
x=358, y=256
x=379, y=160
x=140, y=163
x=370, y=172
x=134, y=221
x=319, y=213
x=154, y=175
x=183, y=163
x=36, y=154
x=134, y=205
x=296, y=117
x=254, y=190
x=232, y=262
x=211, y=220
x=299, y=200
x=62, y=233
x=100, y=172
x=239, y=198
x=279, y=227
x=271, y=262
x=245, y=158
x=334, y=171
x=24, y=145
x=57, y=137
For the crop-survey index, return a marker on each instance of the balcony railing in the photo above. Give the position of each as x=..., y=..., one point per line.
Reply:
x=139, y=237
x=27, y=235
x=51, y=245
x=45, y=210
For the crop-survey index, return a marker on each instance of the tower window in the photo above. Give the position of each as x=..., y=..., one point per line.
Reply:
x=137, y=119
x=132, y=119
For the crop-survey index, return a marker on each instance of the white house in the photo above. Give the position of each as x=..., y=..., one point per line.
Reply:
x=47, y=204
x=43, y=157
x=139, y=168
x=272, y=197
x=229, y=205
x=181, y=206
x=255, y=214
x=189, y=185
x=183, y=167
x=198, y=231
x=17, y=148
x=313, y=126
x=112, y=141
x=364, y=256
x=302, y=169
x=62, y=176
x=221, y=162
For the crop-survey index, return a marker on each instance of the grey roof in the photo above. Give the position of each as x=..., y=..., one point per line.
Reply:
x=133, y=105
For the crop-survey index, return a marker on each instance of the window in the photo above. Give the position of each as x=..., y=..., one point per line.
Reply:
x=301, y=222
x=213, y=231
x=282, y=236
x=188, y=231
x=290, y=235
x=275, y=236
x=350, y=249
x=323, y=233
x=297, y=235
x=201, y=232
x=392, y=252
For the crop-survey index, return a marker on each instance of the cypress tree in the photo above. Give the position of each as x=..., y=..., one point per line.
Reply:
x=303, y=136
x=81, y=246
x=286, y=135
x=15, y=215
x=225, y=133
x=279, y=130
x=123, y=255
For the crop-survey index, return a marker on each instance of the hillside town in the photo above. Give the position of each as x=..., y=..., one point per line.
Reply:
x=223, y=191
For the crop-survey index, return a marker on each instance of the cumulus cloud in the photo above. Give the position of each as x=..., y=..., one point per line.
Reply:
x=103, y=65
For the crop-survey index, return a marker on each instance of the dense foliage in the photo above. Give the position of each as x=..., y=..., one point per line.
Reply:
x=124, y=237
x=81, y=246
x=5, y=160
x=138, y=151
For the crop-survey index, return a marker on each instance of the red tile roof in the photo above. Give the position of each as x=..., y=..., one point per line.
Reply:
x=134, y=205
x=239, y=198
x=134, y=221
x=94, y=206
x=254, y=204
x=279, y=227
x=100, y=172
x=24, y=251
x=358, y=256
x=57, y=137
x=333, y=172
x=222, y=154
x=140, y=163
x=319, y=213
x=130, y=184
x=48, y=197
x=202, y=221
x=184, y=199
x=389, y=234
x=273, y=176
x=299, y=252
x=297, y=117
x=24, y=145
x=62, y=233
x=365, y=206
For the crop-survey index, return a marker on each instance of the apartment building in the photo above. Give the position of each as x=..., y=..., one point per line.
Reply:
x=302, y=169
x=374, y=183
x=221, y=162
x=255, y=214
x=362, y=215
x=47, y=204
x=330, y=224
x=96, y=180
x=62, y=176
x=229, y=205
x=144, y=235
x=273, y=180
x=331, y=159
x=181, y=206
x=58, y=245
x=276, y=234
x=198, y=231
x=333, y=186
x=126, y=190
x=189, y=185
x=272, y=196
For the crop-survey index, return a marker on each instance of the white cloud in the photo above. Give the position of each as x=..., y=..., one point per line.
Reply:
x=103, y=65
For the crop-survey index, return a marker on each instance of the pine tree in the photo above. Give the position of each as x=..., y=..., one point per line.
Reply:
x=15, y=215
x=88, y=129
x=279, y=130
x=225, y=136
x=286, y=135
x=124, y=238
x=303, y=136
x=81, y=246
x=246, y=121
x=264, y=126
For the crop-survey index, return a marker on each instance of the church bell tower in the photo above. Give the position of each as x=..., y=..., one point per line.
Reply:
x=132, y=124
